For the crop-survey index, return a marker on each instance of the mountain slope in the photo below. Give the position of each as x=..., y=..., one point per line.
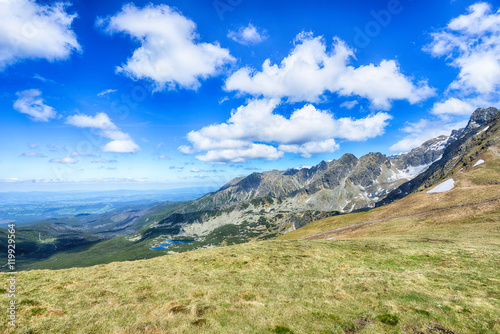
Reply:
x=290, y=199
x=480, y=133
x=476, y=192
x=344, y=185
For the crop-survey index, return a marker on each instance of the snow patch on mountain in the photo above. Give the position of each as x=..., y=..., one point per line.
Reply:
x=480, y=161
x=443, y=187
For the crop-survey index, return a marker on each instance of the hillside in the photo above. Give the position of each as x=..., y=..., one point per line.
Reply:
x=427, y=263
x=480, y=133
x=473, y=165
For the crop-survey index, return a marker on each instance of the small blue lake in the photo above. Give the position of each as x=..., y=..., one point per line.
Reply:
x=169, y=243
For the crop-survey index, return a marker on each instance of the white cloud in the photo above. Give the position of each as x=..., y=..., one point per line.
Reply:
x=64, y=161
x=247, y=35
x=471, y=43
x=253, y=151
x=349, y=104
x=423, y=130
x=11, y=180
x=186, y=149
x=99, y=121
x=106, y=92
x=32, y=154
x=310, y=70
x=452, y=106
x=32, y=31
x=121, y=146
x=310, y=148
x=169, y=54
x=30, y=102
x=121, y=142
x=308, y=131
x=39, y=77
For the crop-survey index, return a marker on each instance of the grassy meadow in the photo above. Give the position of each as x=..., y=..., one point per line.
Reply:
x=440, y=278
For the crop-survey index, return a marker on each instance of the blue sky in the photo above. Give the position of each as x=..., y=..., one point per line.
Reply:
x=167, y=94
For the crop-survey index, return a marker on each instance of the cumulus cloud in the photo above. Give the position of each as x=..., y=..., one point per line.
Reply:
x=310, y=148
x=185, y=149
x=30, y=102
x=310, y=70
x=419, y=132
x=169, y=54
x=470, y=43
x=252, y=151
x=247, y=35
x=64, y=160
x=32, y=31
x=120, y=142
x=255, y=129
x=452, y=106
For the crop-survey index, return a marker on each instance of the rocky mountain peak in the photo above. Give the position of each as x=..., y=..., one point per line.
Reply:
x=460, y=150
x=425, y=154
x=346, y=159
x=480, y=117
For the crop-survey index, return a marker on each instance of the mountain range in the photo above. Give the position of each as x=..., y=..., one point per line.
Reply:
x=333, y=187
x=258, y=206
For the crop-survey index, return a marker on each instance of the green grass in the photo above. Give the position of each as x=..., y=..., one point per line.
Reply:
x=367, y=285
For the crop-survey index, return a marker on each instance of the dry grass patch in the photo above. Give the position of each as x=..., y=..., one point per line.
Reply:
x=344, y=286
